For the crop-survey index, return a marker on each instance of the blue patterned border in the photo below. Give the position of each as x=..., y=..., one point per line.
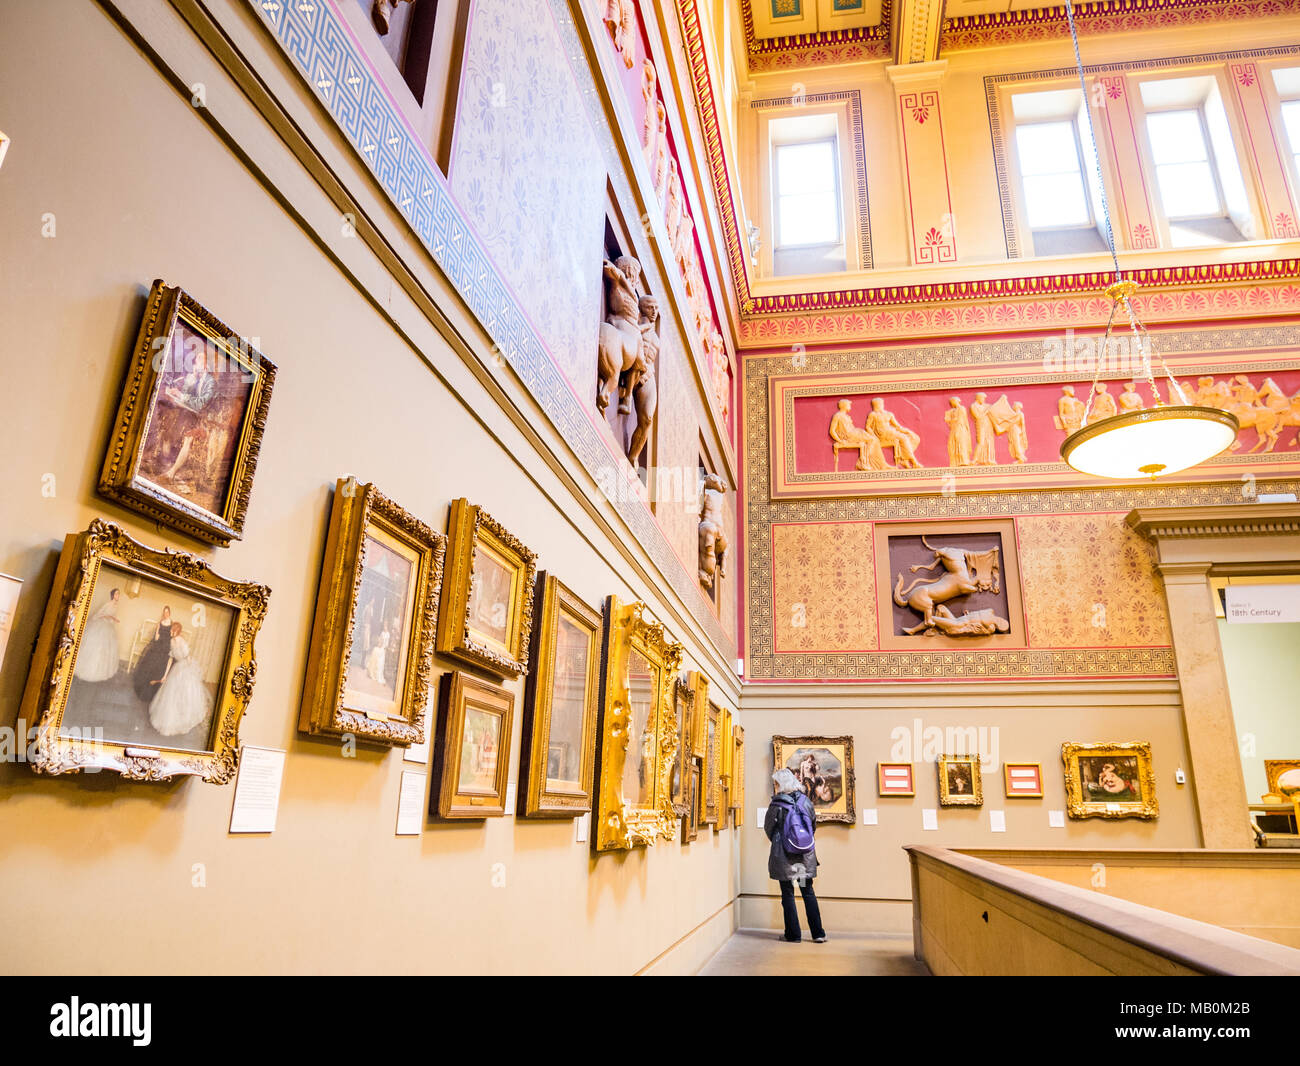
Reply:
x=313, y=34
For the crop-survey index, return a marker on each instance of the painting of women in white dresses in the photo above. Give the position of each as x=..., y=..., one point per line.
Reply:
x=381, y=626
x=148, y=665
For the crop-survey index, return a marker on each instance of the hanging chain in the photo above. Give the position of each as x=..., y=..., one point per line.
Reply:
x=1101, y=358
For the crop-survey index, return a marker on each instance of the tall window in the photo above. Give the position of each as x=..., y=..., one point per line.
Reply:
x=807, y=194
x=1051, y=171
x=1291, y=121
x=1184, y=162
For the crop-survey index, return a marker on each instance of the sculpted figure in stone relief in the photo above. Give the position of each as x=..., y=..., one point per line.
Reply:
x=965, y=572
x=640, y=387
x=713, y=539
x=620, y=333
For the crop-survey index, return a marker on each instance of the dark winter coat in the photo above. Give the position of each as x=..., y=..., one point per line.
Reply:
x=780, y=867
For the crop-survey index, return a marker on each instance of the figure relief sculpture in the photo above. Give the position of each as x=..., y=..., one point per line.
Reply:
x=892, y=434
x=660, y=168
x=985, y=435
x=844, y=434
x=620, y=20
x=1069, y=408
x=649, y=121
x=673, y=202
x=721, y=379
x=965, y=572
x=1018, y=434
x=713, y=537
x=684, y=242
x=620, y=333
x=639, y=387
x=1103, y=404
x=1267, y=410
x=1129, y=400
x=958, y=433
x=381, y=14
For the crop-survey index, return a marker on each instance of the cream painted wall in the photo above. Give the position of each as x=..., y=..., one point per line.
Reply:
x=138, y=187
x=1262, y=661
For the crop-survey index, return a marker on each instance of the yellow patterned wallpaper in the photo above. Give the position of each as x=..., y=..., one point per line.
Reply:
x=1089, y=581
x=824, y=595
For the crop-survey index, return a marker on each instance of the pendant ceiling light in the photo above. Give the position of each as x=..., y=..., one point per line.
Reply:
x=1166, y=438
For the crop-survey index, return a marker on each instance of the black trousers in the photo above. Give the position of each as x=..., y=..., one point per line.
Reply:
x=792, y=931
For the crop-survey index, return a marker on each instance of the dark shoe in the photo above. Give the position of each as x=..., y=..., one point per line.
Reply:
x=796, y=940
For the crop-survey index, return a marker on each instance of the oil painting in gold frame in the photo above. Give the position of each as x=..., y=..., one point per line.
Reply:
x=961, y=781
x=700, y=683
x=713, y=813
x=691, y=816
x=738, y=775
x=726, y=751
x=824, y=766
x=557, y=751
x=1109, y=780
x=637, y=733
x=679, y=783
x=471, y=750
x=144, y=664
x=487, y=610
x=1283, y=777
x=370, y=663
x=184, y=444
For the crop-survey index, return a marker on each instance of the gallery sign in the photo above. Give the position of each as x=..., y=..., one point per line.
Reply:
x=1262, y=603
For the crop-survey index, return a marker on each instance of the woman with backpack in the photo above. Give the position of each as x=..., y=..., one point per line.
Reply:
x=790, y=825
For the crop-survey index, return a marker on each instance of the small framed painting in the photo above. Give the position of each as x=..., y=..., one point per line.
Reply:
x=684, y=697
x=1023, y=779
x=691, y=819
x=824, y=766
x=738, y=775
x=699, y=726
x=712, y=766
x=961, y=782
x=9, y=589
x=471, y=754
x=1109, y=780
x=144, y=664
x=561, y=697
x=487, y=612
x=895, y=779
x=370, y=664
x=189, y=426
x=1283, y=777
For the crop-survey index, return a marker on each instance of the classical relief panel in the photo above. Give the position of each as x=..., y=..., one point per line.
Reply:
x=677, y=468
x=528, y=170
x=823, y=588
x=1090, y=581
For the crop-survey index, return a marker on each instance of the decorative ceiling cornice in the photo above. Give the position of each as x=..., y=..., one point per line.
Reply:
x=1230, y=520
x=806, y=49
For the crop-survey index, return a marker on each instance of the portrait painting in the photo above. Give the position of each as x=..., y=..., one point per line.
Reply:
x=639, y=765
x=684, y=701
x=370, y=660
x=490, y=596
x=471, y=751
x=824, y=769
x=154, y=653
x=961, y=781
x=189, y=427
x=1109, y=780
x=480, y=749
x=561, y=698
x=691, y=818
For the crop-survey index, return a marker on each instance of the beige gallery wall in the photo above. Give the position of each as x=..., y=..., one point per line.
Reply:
x=133, y=185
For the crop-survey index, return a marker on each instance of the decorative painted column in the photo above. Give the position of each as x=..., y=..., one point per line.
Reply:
x=931, y=228
x=1190, y=541
x=1129, y=185
x=1263, y=144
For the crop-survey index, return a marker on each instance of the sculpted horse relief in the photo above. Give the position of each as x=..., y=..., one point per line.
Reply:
x=965, y=572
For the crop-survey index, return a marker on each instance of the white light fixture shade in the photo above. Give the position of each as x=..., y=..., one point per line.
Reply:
x=1150, y=444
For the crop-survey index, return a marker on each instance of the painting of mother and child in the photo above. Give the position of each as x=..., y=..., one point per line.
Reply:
x=148, y=665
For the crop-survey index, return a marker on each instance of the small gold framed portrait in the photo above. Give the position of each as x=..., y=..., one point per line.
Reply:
x=487, y=612
x=144, y=664
x=371, y=659
x=961, y=782
x=713, y=811
x=561, y=699
x=189, y=426
x=471, y=752
x=691, y=818
x=699, y=725
x=1022, y=779
x=824, y=766
x=895, y=779
x=1283, y=777
x=637, y=735
x=1109, y=780
x=738, y=775
x=684, y=697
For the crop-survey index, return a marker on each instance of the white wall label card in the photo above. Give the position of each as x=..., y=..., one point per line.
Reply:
x=869, y=816
x=1056, y=819
x=929, y=818
x=418, y=752
x=257, y=790
x=1262, y=603
x=762, y=816
x=410, y=804
x=511, y=793
x=998, y=821
x=581, y=827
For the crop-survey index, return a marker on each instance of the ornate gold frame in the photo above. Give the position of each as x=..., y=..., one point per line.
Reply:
x=976, y=798
x=849, y=815
x=684, y=695
x=726, y=743
x=120, y=479
x=356, y=509
x=700, y=682
x=712, y=767
x=1273, y=771
x=620, y=825
x=456, y=691
x=66, y=614
x=1078, y=807
x=535, y=800
x=691, y=816
x=1020, y=793
x=738, y=775
x=467, y=526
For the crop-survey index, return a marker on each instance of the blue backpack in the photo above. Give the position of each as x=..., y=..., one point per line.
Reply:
x=797, y=832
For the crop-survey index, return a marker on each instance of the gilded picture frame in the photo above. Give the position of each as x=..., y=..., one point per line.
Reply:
x=471, y=750
x=487, y=610
x=691, y=816
x=1283, y=777
x=700, y=683
x=563, y=675
x=10, y=589
x=713, y=813
x=738, y=775
x=825, y=767
x=961, y=781
x=1022, y=780
x=370, y=661
x=640, y=661
x=70, y=715
x=684, y=696
x=726, y=746
x=1110, y=780
x=184, y=445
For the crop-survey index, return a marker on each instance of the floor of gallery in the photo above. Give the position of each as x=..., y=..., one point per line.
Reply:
x=761, y=953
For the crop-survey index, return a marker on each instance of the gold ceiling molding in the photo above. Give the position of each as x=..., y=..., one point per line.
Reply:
x=1231, y=520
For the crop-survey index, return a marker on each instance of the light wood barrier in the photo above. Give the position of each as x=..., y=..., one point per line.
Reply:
x=978, y=918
